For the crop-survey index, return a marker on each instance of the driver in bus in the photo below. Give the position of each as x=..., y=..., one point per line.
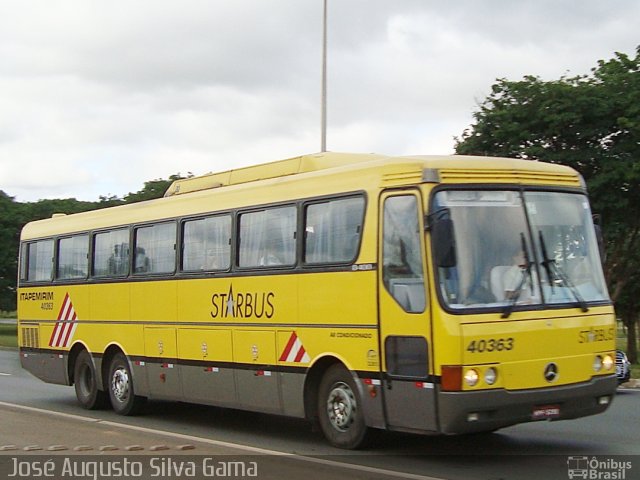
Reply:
x=517, y=276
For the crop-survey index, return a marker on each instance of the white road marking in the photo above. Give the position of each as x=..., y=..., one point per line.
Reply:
x=5, y=374
x=219, y=443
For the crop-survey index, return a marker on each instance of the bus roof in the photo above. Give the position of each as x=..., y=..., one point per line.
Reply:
x=303, y=177
x=329, y=161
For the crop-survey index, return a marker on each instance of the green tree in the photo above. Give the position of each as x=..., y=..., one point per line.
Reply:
x=152, y=189
x=592, y=123
x=46, y=208
x=14, y=215
x=10, y=224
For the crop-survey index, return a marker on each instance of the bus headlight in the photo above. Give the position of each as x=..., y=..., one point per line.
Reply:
x=490, y=376
x=597, y=363
x=471, y=377
x=608, y=362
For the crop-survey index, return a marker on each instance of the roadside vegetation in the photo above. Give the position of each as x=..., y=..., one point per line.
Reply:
x=591, y=123
x=8, y=335
x=14, y=215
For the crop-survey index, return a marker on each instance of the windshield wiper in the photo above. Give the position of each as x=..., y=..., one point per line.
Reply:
x=554, y=271
x=525, y=273
x=546, y=261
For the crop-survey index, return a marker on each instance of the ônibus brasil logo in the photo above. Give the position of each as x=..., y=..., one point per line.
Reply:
x=593, y=468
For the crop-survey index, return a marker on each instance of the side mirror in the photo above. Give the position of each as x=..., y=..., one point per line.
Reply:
x=443, y=242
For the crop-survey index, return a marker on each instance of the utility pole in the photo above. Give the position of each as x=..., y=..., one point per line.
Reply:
x=323, y=101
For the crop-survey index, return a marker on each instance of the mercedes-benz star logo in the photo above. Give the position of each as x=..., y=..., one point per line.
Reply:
x=551, y=372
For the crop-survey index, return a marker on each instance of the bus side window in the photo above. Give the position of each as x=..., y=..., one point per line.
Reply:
x=73, y=257
x=407, y=356
x=333, y=230
x=23, y=262
x=111, y=253
x=206, y=244
x=267, y=238
x=40, y=261
x=401, y=253
x=155, y=249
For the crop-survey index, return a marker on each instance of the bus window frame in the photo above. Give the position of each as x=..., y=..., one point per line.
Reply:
x=181, y=243
x=134, y=242
x=234, y=268
x=236, y=238
x=25, y=245
x=22, y=262
x=417, y=194
x=542, y=306
x=102, y=278
x=89, y=264
x=303, y=225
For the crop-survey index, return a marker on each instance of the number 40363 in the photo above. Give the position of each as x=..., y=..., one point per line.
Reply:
x=491, y=345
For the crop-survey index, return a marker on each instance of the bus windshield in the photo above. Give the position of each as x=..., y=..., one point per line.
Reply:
x=515, y=249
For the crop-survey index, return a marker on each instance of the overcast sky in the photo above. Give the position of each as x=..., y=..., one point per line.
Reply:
x=98, y=97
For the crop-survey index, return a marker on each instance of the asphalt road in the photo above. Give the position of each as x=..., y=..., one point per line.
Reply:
x=40, y=419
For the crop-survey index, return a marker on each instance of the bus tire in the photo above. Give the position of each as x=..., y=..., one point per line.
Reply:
x=121, y=389
x=86, y=383
x=340, y=409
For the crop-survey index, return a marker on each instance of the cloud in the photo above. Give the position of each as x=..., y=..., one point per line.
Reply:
x=96, y=98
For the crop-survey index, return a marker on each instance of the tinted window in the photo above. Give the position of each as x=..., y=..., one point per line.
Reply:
x=406, y=356
x=207, y=244
x=267, y=237
x=155, y=249
x=73, y=257
x=333, y=230
x=111, y=253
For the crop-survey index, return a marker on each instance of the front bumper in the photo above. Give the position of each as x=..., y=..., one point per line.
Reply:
x=495, y=409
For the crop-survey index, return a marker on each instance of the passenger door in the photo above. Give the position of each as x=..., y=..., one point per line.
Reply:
x=405, y=331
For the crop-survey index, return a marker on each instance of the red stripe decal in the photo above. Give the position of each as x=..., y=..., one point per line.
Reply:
x=64, y=304
x=287, y=349
x=300, y=354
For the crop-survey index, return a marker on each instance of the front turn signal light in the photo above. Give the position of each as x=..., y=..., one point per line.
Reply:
x=451, y=380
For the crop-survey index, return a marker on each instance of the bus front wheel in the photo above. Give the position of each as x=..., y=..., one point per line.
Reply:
x=86, y=384
x=121, y=390
x=340, y=409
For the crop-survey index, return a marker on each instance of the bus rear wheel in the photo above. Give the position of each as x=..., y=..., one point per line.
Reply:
x=121, y=390
x=86, y=384
x=340, y=410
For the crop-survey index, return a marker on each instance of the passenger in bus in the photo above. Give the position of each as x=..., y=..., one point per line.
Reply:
x=117, y=263
x=142, y=263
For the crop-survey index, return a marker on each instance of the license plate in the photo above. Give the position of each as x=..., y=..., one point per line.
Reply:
x=545, y=412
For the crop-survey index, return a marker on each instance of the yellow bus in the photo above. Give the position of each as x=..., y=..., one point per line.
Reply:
x=421, y=294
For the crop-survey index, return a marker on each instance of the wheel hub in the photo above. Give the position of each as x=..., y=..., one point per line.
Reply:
x=120, y=384
x=341, y=407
